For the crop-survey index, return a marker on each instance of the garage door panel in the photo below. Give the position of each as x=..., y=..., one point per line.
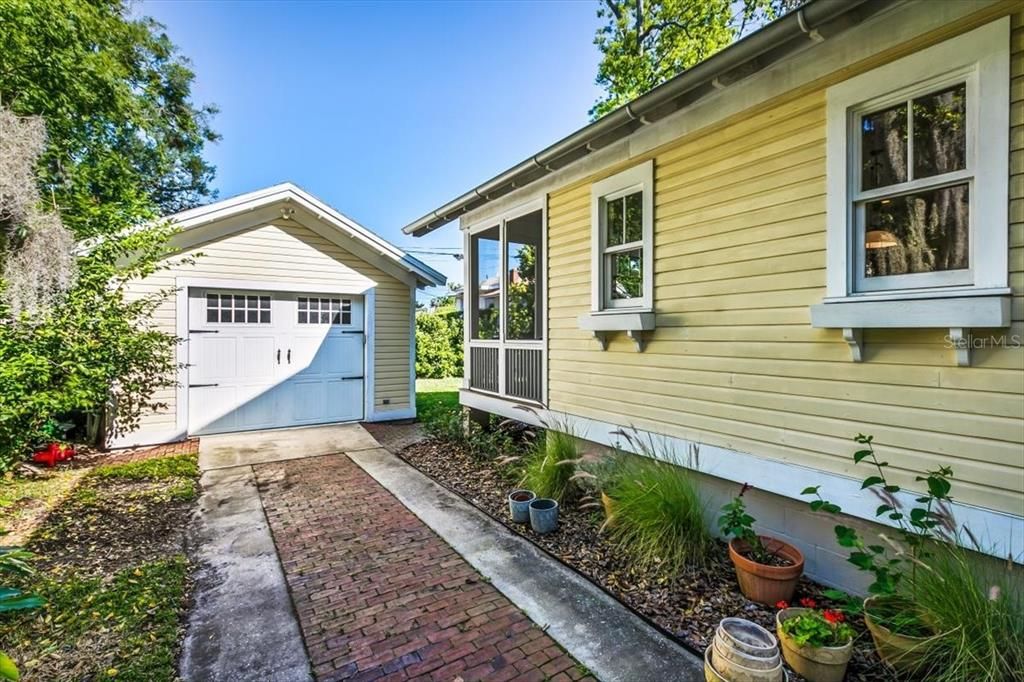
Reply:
x=256, y=358
x=218, y=355
x=345, y=398
x=309, y=401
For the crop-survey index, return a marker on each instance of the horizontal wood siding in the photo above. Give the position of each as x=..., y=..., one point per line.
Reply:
x=292, y=253
x=734, y=362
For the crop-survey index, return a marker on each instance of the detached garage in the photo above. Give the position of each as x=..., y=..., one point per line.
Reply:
x=290, y=315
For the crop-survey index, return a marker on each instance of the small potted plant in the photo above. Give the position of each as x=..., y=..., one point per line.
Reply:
x=767, y=569
x=816, y=643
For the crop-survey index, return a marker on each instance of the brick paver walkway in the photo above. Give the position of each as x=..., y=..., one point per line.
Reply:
x=380, y=596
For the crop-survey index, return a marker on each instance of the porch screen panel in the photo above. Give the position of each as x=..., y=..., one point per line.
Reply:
x=483, y=301
x=525, y=268
x=524, y=373
x=483, y=368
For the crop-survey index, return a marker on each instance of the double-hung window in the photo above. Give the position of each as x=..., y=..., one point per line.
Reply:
x=918, y=176
x=622, y=219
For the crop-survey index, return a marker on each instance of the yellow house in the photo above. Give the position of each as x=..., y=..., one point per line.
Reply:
x=815, y=233
x=290, y=314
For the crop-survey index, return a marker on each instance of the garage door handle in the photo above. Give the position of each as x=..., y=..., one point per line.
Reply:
x=201, y=385
x=289, y=356
x=279, y=356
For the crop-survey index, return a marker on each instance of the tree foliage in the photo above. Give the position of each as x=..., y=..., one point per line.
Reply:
x=646, y=42
x=438, y=345
x=123, y=144
x=124, y=135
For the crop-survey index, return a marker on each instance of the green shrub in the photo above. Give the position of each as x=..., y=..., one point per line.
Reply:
x=978, y=607
x=438, y=345
x=549, y=467
x=659, y=518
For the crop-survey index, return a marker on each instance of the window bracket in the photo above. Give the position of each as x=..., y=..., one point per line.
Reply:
x=854, y=337
x=602, y=338
x=958, y=336
x=637, y=335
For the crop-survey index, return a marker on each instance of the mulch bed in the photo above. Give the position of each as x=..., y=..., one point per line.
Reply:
x=687, y=608
x=127, y=523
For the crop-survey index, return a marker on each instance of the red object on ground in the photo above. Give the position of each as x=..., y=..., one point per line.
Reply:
x=53, y=454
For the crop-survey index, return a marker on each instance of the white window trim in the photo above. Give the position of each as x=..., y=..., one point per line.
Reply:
x=641, y=178
x=984, y=54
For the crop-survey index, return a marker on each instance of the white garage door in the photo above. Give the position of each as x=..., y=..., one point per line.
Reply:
x=261, y=359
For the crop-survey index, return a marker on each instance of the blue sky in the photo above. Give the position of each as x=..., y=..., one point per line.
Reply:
x=385, y=110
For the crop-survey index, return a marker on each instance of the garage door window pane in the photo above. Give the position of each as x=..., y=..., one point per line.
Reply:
x=237, y=309
x=315, y=310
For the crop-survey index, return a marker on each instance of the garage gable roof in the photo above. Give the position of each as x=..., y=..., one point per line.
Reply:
x=289, y=194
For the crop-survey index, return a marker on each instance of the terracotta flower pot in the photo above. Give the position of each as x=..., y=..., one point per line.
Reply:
x=816, y=664
x=903, y=653
x=767, y=584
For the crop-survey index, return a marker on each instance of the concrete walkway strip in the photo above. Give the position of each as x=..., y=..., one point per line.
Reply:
x=276, y=445
x=602, y=634
x=242, y=625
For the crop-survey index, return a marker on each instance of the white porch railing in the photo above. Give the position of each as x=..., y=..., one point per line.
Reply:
x=512, y=370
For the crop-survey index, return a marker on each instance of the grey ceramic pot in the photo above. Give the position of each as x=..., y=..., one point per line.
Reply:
x=519, y=505
x=544, y=515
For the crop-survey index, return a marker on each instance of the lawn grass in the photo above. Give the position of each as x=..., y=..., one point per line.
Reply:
x=24, y=502
x=434, y=396
x=114, y=575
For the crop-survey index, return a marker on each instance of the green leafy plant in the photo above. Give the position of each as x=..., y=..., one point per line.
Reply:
x=737, y=523
x=659, y=516
x=928, y=522
x=14, y=563
x=818, y=627
x=549, y=468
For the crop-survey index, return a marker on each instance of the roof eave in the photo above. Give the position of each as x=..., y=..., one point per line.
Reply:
x=739, y=60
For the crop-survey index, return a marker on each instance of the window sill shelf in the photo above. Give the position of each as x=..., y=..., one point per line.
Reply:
x=607, y=322
x=957, y=313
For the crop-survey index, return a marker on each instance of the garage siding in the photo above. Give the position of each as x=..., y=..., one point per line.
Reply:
x=289, y=252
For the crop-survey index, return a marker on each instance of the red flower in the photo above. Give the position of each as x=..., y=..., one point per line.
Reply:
x=782, y=604
x=809, y=603
x=834, y=617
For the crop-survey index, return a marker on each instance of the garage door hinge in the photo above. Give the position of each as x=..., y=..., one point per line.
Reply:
x=201, y=385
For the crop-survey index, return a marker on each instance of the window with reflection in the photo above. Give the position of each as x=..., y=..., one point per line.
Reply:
x=523, y=258
x=484, y=295
x=914, y=198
